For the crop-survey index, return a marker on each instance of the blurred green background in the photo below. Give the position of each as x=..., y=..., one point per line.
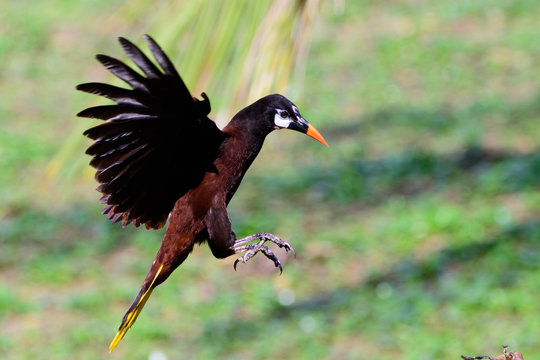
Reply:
x=417, y=230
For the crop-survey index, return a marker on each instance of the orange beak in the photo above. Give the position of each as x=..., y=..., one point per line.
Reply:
x=314, y=133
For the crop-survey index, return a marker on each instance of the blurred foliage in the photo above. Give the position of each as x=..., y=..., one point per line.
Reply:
x=417, y=230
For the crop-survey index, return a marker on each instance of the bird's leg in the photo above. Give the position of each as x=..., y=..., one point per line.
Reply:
x=243, y=244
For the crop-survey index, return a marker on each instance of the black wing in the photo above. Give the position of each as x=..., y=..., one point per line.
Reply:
x=156, y=143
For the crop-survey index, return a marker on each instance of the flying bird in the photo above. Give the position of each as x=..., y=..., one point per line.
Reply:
x=158, y=158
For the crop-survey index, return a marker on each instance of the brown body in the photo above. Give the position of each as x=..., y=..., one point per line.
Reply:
x=201, y=214
x=159, y=157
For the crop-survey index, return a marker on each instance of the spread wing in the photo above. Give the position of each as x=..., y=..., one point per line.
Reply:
x=155, y=143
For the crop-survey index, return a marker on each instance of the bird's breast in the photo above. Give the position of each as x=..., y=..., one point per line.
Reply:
x=235, y=159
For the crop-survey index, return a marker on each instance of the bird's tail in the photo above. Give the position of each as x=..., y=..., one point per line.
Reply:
x=135, y=309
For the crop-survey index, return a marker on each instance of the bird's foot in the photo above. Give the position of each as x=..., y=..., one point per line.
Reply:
x=252, y=249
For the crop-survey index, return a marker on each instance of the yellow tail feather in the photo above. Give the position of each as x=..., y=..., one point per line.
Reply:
x=132, y=315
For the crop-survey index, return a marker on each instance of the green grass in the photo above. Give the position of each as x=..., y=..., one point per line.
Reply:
x=417, y=230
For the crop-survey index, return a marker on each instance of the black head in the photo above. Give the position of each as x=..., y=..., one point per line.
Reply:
x=274, y=112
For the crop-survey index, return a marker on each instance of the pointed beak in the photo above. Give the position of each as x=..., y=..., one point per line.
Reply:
x=314, y=133
x=303, y=126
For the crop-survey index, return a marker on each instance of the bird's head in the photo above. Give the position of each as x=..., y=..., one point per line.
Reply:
x=281, y=113
x=271, y=113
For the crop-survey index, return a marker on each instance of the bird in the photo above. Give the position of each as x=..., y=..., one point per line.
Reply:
x=159, y=159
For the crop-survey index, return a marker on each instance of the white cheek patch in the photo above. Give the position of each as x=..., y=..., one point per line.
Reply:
x=281, y=123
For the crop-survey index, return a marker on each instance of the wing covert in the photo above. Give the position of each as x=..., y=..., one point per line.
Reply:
x=155, y=143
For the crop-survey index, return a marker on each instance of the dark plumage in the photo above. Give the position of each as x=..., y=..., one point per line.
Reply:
x=158, y=156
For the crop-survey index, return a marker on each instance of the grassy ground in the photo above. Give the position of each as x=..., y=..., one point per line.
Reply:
x=417, y=231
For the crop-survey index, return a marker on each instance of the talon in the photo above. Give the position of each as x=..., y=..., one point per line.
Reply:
x=242, y=259
x=270, y=255
x=254, y=248
x=278, y=242
x=290, y=248
x=278, y=265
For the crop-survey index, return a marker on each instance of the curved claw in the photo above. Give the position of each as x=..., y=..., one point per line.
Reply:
x=270, y=255
x=288, y=248
x=242, y=259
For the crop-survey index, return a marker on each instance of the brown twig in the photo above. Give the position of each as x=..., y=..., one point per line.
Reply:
x=504, y=356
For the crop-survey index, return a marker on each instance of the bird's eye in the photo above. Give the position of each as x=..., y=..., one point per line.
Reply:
x=284, y=114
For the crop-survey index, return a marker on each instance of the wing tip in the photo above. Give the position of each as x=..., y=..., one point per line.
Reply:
x=148, y=38
x=125, y=43
x=107, y=60
x=85, y=114
x=101, y=57
x=87, y=87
